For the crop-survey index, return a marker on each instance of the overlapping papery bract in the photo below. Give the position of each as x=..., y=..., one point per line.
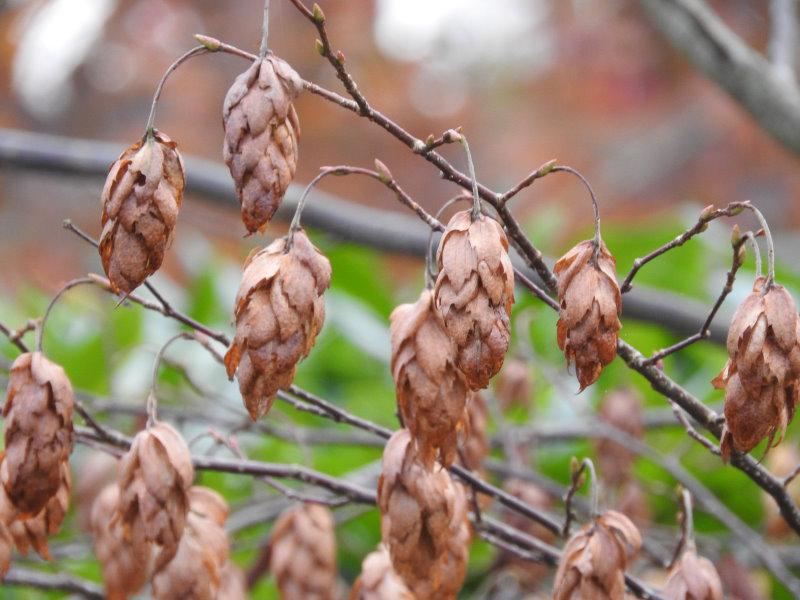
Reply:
x=303, y=553
x=196, y=571
x=590, y=305
x=154, y=479
x=141, y=200
x=593, y=561
x=431, y=390
x=421, y=513
x=474, y=293
x=693, y=577
x=279, y=311
x=261, y=137
x=761, y=376
x=38, y=432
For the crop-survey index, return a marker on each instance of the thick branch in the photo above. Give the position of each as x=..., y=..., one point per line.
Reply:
x=771, y=99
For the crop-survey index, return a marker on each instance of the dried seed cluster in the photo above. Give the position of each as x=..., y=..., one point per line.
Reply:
x=261, y=135
x=593, y=561
x=303, y=553
x=761, y=376
x=431, y=391
x=141, y=200
x=693, y=577
x=279, y=311
x=590, y=305
x=422, y=512
x=474, y=293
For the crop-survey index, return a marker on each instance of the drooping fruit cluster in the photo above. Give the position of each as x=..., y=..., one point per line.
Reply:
x=761, y=376
x=141, y=200
x=590, y=305
x=279, y=311
x=261, y=136
x=593, y=561
x=303, y=553
x=474, y=293
x=422, y=512
x=693, y=577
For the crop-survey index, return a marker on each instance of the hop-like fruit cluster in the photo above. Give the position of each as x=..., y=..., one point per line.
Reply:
x=761, y=376
x=303, y=553
x=593, y=561
x=474, y=293
x=421, y=512
x=590, y=304
x=38, y=432
x=378, y=581
x=279, y=311
x=196, y=570
x=154, y=478
x=693, y=577
x=431, y=391
x=261, y=135
x=141, y=200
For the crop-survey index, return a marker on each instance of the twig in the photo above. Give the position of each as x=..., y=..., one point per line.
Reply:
x=65, y=288
x=196, y=51
x=56, y=582
x=691, y=431
x=542, y=171
x=577, y=480
x=15, y=337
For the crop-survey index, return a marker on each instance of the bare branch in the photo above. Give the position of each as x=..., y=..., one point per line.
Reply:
x=57, y=582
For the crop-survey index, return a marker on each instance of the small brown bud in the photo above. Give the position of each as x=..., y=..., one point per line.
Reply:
x=303, y=553
x=421, y=511
x=125, y=568
x=279, y=311
x=622, y=409
x=154, y=477
x=317, y=13
x=261, y=136
x=474, y=293
x=197, y=568
x=38, y=431
x=514, y=384
x=378, y=581
x=141, y=200
x=34, y=531
x=693, y=577
x=431, y=391
x=588, y=323
x=593, y=561
x=762, y=376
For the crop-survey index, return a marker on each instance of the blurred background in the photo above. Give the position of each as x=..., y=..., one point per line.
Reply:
x=590, y=83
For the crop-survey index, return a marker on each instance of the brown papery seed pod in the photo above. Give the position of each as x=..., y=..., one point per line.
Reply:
x=761, y=376
x=261, y=135
x=279, y=311
x=378, y=581
x=622, y=409
x=419, y=510
x=594, y=560
x=154, y=478
x=125, y=567
x=588, y=319
x=34, y=531
x=514, y=384
x=303, y=553
x=693, y=577
x=141, y=200
x=474, y=293
x=431, y=391
x=196, y=570
x=38, y=431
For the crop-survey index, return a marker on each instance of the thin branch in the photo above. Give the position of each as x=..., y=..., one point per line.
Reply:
x=15, y=337
x=54, y=582
x=197, y=50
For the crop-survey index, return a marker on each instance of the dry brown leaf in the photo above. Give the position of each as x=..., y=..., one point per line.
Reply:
x=693, y=577
x=125, y=568
x=196, y=571
x=421, y=512
x=593, y=561
x=141, y=200
x=261, y=135
x=303, y=553
x=474, y=293
x=154, y=478
x=431, y=391
x=378, y=581
x=279, y=311
x=38, y=431
x=590, y=304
